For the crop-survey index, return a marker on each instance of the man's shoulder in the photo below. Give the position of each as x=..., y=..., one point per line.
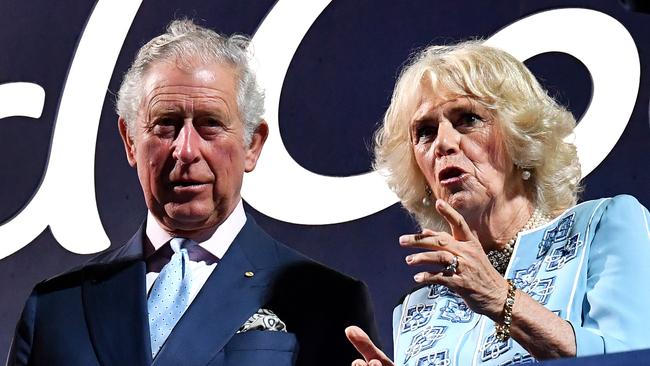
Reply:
x=314, y=270
x=103, y=263
x=289, y=263
x=285, y=260
x=74, y=277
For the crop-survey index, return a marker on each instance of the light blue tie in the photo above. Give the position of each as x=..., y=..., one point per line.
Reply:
x=170, y=294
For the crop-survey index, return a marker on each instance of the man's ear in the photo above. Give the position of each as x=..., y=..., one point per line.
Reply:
x=129, y=145
x=255, y=148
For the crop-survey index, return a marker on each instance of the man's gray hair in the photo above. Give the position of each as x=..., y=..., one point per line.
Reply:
x=185, y=41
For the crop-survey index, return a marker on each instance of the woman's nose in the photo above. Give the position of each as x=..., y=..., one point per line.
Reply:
x=448, y=140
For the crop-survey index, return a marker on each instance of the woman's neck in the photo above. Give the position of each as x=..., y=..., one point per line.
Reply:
x=501, y=221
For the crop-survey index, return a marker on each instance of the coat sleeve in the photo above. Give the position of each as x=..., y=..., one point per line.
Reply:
x=21, y=345
x=365, y=314
x=615, y=316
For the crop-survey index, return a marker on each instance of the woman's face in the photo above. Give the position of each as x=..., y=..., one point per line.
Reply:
x=459, y=150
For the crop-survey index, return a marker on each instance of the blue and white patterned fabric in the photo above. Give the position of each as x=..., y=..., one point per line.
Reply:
x=590, y=265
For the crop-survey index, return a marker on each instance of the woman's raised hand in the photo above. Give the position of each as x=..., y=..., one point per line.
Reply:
x=473, y=278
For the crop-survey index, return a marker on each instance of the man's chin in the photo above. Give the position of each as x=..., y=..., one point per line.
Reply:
x=188, y=219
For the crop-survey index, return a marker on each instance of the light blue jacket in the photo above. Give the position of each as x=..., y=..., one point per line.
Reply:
x=590, y=266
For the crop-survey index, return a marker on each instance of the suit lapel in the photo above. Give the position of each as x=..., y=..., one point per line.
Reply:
x=226, y=301
x=115, y=304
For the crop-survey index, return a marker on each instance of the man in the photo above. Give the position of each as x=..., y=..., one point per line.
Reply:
x=200, y=283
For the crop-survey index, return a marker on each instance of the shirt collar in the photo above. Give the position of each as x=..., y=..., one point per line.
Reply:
x=217, y=244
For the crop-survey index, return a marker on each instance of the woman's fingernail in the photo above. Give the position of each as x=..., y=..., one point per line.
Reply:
x=409, y=258
x=418, y=277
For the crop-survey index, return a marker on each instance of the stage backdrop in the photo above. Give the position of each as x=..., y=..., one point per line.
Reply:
x=67, y=192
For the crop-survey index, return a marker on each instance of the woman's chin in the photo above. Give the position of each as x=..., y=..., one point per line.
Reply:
x=464, y=202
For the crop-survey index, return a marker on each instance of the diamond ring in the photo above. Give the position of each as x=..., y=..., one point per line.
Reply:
x=451, y=268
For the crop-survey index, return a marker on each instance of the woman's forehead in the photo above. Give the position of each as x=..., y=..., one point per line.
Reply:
x=434, y=96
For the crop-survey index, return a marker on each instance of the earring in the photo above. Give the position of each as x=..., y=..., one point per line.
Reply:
x=426, y=201
x=525, y=173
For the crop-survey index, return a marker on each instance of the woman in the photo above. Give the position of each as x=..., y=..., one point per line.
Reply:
x=512, y=269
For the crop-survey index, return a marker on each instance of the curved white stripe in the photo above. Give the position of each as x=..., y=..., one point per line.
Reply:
x=282, y=189
x=21, y=99
x=65, y=199
x=606, y=48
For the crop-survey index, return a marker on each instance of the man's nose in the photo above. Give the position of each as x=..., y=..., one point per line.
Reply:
x=448, y=139
x=187, y=144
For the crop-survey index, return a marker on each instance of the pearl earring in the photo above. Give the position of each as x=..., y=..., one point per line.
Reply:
x=525, y=174
x=426, y=201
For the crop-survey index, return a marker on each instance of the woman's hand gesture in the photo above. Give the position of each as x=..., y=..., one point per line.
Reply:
x=473, y=277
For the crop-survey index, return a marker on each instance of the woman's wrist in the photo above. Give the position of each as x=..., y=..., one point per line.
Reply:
x=502, y=328
x=494, y=310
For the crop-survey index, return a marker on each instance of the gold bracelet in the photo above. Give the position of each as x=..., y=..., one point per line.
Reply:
x=503, y=330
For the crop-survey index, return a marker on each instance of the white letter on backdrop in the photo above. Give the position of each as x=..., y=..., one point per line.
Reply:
x=279, y=187
x=65, y=199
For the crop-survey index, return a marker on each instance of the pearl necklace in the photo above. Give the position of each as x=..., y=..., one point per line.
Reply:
x=501, y=258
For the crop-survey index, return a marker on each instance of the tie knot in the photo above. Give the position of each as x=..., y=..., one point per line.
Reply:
x=179, y=243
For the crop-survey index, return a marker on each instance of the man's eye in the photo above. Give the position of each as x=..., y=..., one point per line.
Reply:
x=166, y=121
x=211, y=122
x=209, y=125
x=164, y=126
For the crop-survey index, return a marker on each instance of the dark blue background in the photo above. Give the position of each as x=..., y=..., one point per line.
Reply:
x=336, y=91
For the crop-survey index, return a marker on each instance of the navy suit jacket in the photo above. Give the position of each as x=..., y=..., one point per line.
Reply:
x=97, y=315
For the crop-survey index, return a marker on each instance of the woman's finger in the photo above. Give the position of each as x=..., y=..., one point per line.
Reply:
x=438, y=278
x=459, y=228
x=428, y=232
x=436, y=241
x=436, y=261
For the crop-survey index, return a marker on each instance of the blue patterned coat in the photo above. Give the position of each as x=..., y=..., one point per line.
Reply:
x=590, y=266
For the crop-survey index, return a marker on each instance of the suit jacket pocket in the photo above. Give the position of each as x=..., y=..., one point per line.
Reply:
x=261, y=348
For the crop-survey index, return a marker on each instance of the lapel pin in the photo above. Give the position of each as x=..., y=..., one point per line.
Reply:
x=249, y=274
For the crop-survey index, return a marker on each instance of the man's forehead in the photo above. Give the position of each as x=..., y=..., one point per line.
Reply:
x=167, y=81
x=208, y=75
x=172, y=92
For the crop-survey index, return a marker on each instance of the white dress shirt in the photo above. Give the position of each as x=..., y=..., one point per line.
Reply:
x=217, y=245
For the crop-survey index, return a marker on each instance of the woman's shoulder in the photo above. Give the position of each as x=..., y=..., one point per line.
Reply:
x=623, y=216
x=617, y=218
x=623, y=204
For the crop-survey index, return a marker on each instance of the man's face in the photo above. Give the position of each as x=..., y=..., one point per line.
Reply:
x=188, y=146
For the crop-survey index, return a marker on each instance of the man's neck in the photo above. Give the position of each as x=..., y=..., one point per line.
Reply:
x=216, y=240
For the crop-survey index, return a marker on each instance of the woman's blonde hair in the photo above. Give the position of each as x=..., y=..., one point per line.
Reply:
x=533, y=124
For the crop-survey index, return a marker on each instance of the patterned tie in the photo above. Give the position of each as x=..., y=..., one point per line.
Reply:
x=170, y=294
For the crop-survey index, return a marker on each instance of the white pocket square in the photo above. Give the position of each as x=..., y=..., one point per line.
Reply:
x=264, y=320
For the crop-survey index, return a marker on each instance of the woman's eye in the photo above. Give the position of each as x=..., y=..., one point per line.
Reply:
x=471, y=119
x=426, y=132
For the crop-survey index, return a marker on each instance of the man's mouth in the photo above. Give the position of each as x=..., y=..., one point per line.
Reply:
x=187, y=185
x=451, y=175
